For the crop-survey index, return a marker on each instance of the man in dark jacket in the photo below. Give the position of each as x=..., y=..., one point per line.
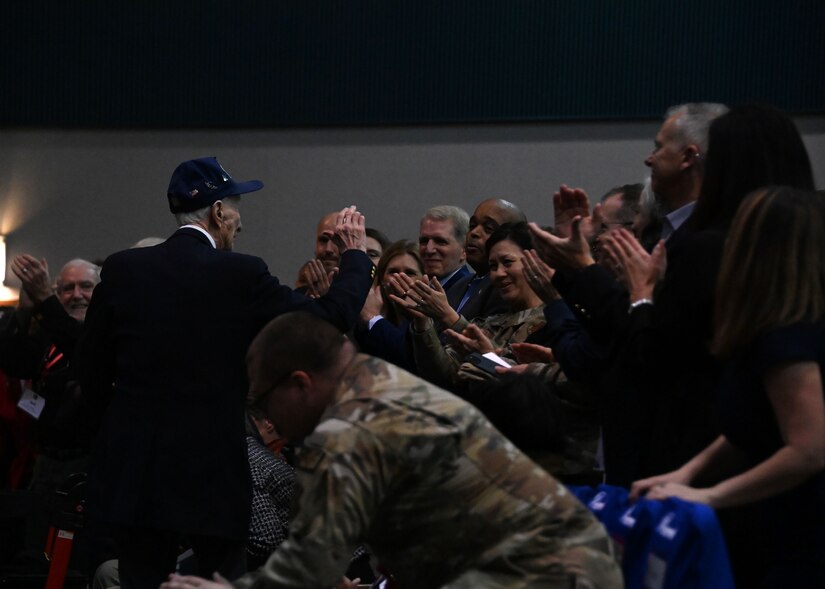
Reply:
x=169, y=325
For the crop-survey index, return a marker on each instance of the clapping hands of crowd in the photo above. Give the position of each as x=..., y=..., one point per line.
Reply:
x=539, y=276
x=317, y=279
x=569, y=249
x=471, y=339
x=637, y=269
x=424, y=296
x=34, y=276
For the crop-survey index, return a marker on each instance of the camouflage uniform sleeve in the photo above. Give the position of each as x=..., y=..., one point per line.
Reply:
x=435, y=363
x=341, y=480
x=461, y=324
x=550, y=374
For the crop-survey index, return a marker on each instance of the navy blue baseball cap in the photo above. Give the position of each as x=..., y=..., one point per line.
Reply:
x=198, y=183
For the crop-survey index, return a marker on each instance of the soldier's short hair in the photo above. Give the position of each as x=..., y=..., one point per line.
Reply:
x=292, y=341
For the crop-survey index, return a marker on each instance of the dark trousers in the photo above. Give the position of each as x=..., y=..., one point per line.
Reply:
x=148, y=556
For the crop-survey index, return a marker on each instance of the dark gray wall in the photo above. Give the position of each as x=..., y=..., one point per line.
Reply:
x=65, y=194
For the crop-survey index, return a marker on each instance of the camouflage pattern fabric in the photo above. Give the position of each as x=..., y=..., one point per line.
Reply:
x=442, y=365
x=441, y=498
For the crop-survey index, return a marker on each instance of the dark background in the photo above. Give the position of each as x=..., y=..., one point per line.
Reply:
x=259, y=63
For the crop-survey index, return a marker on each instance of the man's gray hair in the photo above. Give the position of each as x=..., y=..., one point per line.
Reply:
x=192, y=217
x=83, y=264
x=459, y=217
x=693, y=120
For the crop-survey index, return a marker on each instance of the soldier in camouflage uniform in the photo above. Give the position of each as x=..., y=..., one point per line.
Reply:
x=440, y=496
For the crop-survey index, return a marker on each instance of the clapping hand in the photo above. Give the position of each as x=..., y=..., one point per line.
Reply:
x=638, y=270
x=569, y=248
x=317, y=279
x=34, y=276
x=430, y=299
x=539, y=276
x=569, y=203
x=472, y=339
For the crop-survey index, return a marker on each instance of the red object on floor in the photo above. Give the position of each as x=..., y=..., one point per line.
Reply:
x=58, y=551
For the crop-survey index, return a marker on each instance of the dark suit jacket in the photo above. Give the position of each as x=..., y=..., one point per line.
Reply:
x=388, y=342
x=170, y=326
x=483, y=303
x=660, y=387
x=462, y=273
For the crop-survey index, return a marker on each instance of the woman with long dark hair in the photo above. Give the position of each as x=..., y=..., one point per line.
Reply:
x=382, y=329
x=670, y=316
x=770, y=330
x=660, y=399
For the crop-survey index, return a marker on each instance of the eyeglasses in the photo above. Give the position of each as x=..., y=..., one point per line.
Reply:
x=256, y=403
x=606, y=225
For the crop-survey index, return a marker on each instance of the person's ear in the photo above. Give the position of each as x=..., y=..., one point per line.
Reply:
x=217, y=212
x=302, y=380
x=690, y=155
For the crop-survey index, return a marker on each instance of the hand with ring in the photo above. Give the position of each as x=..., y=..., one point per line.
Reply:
x=34, y=277
x=400, y=286
x=431, y=299
x=539, y=276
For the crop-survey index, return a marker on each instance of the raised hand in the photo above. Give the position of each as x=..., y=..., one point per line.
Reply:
x=569, y=203
x=350, y=230
x=563, y=253
x=34, y=276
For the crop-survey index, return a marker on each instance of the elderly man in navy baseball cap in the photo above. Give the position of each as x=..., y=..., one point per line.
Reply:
x=167, y=332
x=203, y=194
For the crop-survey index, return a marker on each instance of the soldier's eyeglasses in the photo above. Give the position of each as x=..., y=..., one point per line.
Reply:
x=257, y=401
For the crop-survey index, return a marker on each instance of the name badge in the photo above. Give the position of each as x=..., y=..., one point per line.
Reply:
x=32, y=403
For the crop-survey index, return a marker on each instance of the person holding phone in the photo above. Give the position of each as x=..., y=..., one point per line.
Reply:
x=445, y=365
